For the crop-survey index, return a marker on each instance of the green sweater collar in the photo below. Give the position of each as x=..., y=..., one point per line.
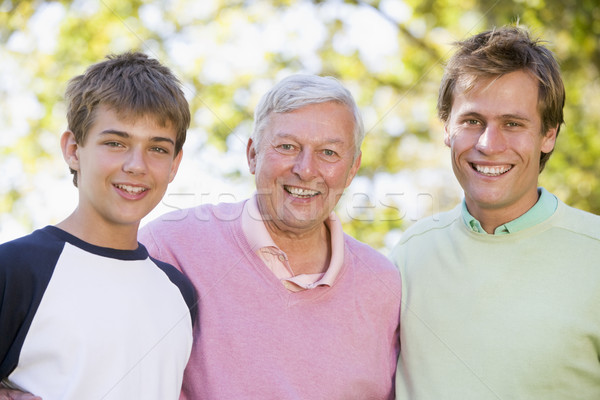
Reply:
x=542, y=210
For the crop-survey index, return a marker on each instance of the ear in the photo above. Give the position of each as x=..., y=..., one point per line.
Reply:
x=70, y=150
x=549, y=140
x=447, y=140
x=175, y=165
x=354, y=169
x=251, y=156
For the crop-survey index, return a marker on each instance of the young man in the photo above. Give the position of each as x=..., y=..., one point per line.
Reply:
x=85, y=313
x=291, y=307
x=501, y=294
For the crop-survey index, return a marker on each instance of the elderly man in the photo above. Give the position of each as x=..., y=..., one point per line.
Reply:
x=290, y=307
x=502, y=293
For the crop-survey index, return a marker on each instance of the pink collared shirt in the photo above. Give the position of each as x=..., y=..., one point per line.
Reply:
x=263, y=245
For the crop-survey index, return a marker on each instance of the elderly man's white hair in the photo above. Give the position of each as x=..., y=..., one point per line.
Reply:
x=297, y=91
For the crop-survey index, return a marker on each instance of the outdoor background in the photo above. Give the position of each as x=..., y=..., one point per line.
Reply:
x=389, y=53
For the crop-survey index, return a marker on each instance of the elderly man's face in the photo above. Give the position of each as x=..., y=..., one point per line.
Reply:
x=303, y=163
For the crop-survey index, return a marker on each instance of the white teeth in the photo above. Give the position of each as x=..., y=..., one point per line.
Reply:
x=131, y=189
x=296, y=191
x=492, y=171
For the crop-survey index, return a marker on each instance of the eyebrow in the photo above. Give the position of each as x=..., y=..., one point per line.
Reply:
x=503, y=116
x=283, y=135
x=126, y=135
x=514, y=116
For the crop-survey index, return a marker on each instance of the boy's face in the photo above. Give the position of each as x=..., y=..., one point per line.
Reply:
x=123, y=168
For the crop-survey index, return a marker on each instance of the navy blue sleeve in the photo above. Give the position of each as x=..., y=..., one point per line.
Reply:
x=187, y=289
x=26, y=266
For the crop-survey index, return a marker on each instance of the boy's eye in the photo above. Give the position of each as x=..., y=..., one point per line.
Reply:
x=113, y=144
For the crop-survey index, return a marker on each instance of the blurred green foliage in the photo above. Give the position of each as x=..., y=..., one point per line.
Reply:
x=397, y=91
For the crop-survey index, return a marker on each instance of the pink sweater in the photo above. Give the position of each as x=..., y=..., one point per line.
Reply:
x=256, y=340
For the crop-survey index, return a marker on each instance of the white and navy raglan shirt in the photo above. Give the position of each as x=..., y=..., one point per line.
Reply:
x=78, y=321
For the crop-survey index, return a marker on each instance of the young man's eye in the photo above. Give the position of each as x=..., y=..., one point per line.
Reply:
x=160, y=150
x=113, y=144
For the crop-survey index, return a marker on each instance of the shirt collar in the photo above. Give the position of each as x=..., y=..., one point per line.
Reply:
x=258, y=237
x=541, y=210
x=254, y=228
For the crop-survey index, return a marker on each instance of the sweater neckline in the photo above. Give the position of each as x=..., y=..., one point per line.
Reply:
x=290, y=297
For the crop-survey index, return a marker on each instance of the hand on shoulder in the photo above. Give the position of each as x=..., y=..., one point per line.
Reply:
x=12, y=394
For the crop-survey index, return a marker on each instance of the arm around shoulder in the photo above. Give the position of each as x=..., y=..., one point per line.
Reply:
x=13, y=394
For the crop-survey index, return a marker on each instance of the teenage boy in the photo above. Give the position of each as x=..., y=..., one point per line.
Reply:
x=85, y=313
x=500, y=296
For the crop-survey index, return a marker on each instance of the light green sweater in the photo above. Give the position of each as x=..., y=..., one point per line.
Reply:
x=507, y=317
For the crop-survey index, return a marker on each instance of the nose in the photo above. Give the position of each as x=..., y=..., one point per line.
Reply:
x=305, y=165
x=135, y=162
x=491, y=140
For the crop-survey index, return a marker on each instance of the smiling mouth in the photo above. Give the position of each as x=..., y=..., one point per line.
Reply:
x=491, y=170
x=300, y=193
x=131, y=189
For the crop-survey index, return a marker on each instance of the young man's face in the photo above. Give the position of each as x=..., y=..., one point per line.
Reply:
x=494, y=132
x=123, y=168
x=303, y=162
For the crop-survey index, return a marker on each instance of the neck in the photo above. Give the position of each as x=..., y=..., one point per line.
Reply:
x=120, y=237
x=491, y=218
x=308, y=253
